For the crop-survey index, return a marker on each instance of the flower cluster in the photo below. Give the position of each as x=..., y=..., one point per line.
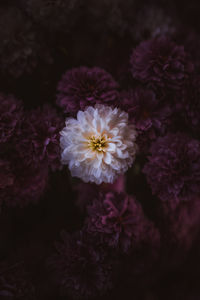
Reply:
x=99, y=140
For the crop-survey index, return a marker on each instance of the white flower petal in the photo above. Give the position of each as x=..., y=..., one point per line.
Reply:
x=98, y=145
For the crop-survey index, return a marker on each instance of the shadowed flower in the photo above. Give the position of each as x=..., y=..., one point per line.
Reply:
x=173, y=168
x=10, y=116
x=38, y=140
x=81, y=267
x=23, y=185
x=150, y=117
x=144, y=109
x=82, y=87
x=99, y=145
x=118, y=220
x=161, y=63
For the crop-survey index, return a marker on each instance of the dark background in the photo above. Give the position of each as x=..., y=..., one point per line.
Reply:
x=27, y=235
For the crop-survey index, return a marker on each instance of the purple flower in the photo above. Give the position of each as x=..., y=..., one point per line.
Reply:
x=10, y=116
x=144, y=110
x=173, y=169
x=81, y=268
x=82, y=87
x=159, y=62
x=119, y=221
x=150, y=117
x=24, y=185
x=38, y=139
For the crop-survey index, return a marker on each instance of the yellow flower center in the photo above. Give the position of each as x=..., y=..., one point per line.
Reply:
x=98, y=143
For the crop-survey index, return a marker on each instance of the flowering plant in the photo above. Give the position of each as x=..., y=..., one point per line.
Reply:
x=99, y=141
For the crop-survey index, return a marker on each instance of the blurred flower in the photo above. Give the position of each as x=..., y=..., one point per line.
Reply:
x=24, y=185
x=81, y=267
x=161, y=63
x=10, y=116
x=99, y=145
x=21, y=47
x=117, y=220
x=38, y=139
x=173, y=168
x=150, y=116
x=82, y=87
x=144, y=109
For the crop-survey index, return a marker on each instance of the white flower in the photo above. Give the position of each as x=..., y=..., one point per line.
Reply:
x=98, y=145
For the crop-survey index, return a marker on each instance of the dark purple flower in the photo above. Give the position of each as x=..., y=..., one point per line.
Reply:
x=119, y=221
x=150, y=117
x=21, y=47
x=144, y=110
x=81, y=268
x=173, y=169
x=26, y=185
x=82, y=87
x=10, y=116
x=159, y=62
x=38, y=139
x=15, y=283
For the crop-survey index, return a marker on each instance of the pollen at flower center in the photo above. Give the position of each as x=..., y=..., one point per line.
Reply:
x=98, y=143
